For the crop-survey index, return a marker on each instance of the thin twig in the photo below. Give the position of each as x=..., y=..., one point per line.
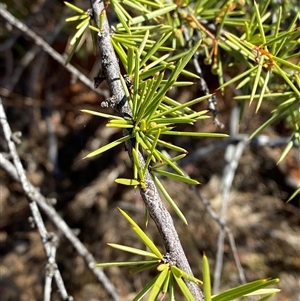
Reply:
x=36, y=198
x=150, y=195
x=47, y=48
x=13, y=79
x=232, y=155
x=52, y=140
x=30, y=195
x=64, y=228
x=258, y=141
x=215, y=217
x=51, y=267
x=212, y=101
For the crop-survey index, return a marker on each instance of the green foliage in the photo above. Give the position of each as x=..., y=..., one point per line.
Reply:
x=264, y=44
x=84, y=18
x=154, y=114
x=256, y=43
x=168, y=275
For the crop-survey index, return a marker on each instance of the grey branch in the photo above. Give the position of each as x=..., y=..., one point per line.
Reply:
x=221, y=225
x=232, y=156
x=47, y=48
x=150, y=195
x=17, y=172
x=29, y=192
x=60, y=224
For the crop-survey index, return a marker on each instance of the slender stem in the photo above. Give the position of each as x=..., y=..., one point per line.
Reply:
x=47, y=48
x=47, y=239
x=61, y=224
x=232, y=156
x=150, y=195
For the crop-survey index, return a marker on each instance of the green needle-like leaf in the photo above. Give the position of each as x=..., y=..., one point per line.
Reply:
x=141, y=94
x=263, y=90
x=118, y=10
x=260, y=23
x=182, y=274
x=268, y=122
x=73, y=7
x=183, y=106
x=148, y=98
x=114, y=117
x=175, y=73
x=82, y=23
x=169, y=199
x=206, y=278
x=285, y=151
x=180, y=83
x=130, y=61
x=171, y=164
x=144, y=146
x=76, y=18
x=145, y=239
x=156, y=62
x=132, y=250
x=294, y=194
x=123, y=263
x=288, y=81
x=195, y=134
x=128, y=182
x=186, y=292
x=136, y=84
x=157, y=286
x=119, y=49
x=240, y=76
x=272, y=95
x=94, y=28
x=288, y=64
x=107, y=147
x=264, y=291
x=143, y=44
x=119, y=125
x=257, y=78
x=172, y=146
x=174, y=176
x=80, y=32
x=146, y=73
x=171, y=289
x=152, y=149
x=244, y=289
x=74, y=48
x=165, y=287
x=152, y=15
x=146, y=289
x=174, y=159
x=136, y=166
x=136, y=5
x=136, y=161
x=155, y=48
x=125, y=88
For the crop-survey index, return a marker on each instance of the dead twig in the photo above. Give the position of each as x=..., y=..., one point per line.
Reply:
x=17, y=172
x=32, y=203
x=232, y=156
x=48, y=49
